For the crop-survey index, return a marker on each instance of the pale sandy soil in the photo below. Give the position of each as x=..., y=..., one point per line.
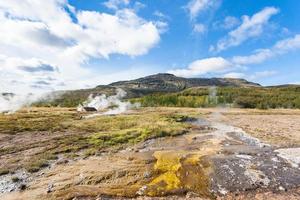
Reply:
x=280, y=128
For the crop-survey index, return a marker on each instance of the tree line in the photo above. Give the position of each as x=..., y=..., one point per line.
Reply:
x=261, y=98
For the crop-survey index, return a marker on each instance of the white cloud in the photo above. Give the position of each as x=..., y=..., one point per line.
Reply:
x=162, y=26
x=252, y=77
x=195, y=7
x=138, y=6
x=228, y=67
x=234, y=75
x=45, y=33
x=124, y=33
x=199, y=28
x=204, y=66
x=288, y=44
x=25, y=74
x=218, y=65
x=161, y=23
x=251, y=27
x=262, y=74
x=295, y=83
x=261, y=55
x=115, y=4
x=228, y=23
x=159, y=14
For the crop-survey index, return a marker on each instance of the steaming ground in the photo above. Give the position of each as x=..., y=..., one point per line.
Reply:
x=212, y=153
x=10, y=103
x=107, y=105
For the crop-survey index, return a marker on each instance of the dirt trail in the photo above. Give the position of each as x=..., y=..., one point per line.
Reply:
x=214, y=160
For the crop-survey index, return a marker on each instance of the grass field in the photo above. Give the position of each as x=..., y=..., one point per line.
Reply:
x=31, y=138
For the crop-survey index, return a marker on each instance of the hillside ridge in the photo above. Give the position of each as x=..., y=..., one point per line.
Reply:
x=164, y=82
x=157, y=83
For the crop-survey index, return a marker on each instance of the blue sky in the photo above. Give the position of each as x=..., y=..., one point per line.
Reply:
x=180, y=45
x=98, y=42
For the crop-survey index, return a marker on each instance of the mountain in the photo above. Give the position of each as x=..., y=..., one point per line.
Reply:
x=171, y=83
x=158, y=83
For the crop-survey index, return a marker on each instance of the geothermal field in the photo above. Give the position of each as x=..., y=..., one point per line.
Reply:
x=153, y=138
x=145, y=153
x=149, y=100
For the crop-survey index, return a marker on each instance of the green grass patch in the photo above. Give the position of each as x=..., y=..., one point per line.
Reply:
x=74, y=136
x=35, y=165
x=50, y=120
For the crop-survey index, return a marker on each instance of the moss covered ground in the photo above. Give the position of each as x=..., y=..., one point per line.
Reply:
x=32, y=138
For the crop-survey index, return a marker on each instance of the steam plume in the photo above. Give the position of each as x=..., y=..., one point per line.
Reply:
x=10, y=103
x=213, y=99
x=114, y=104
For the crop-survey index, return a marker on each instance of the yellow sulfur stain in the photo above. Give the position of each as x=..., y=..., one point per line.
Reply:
x=180, y=171
x=167, y=160
x=168, y=164
x=170, y=179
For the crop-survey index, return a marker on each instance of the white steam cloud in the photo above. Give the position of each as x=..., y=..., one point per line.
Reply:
x=213, y=95
x=9, y=103
x=111, y=105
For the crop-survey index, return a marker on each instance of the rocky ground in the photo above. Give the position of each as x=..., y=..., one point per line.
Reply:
x=227, y=154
